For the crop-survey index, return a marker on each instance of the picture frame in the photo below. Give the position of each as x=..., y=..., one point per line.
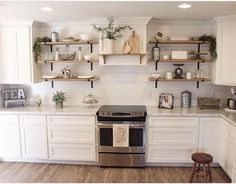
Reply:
x=166, y=101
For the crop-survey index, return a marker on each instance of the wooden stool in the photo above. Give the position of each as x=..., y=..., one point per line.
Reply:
x=201, y=166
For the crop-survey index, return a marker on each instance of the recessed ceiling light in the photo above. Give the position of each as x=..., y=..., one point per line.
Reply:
x=184, y=6
x=48, y=9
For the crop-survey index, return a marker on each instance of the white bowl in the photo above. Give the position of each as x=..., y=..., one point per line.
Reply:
x=156, y=75
x=88, y=57
x=86, y=37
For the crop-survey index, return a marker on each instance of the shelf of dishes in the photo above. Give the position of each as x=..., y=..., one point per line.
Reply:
x=90, y=79
x=67, y=62
x=181, y=60
x=69, y=43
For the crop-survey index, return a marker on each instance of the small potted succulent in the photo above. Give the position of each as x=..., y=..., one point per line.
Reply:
x=59, y=98
x=111, y=33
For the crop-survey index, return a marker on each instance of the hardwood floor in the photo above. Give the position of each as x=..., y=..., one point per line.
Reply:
x=54, y=173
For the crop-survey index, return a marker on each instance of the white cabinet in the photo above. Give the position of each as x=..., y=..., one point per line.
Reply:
x=209, y=136
x=172, y=139
x=223, y=143
x=16, y=58
x=224, y=67
x=231, y=155
x=72, y=138
x=34, y=137
x=9, y=137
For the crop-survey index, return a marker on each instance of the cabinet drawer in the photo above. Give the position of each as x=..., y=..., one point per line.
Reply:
x=9, y=119
x=74, y=152
x=71, y=134
x=173, y=136
x=232, y=131
x=71, y=120
x=173, y=122
x=33, y=120
x=164, y=154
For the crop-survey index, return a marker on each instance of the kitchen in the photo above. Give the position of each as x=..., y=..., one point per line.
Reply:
x=49, y=56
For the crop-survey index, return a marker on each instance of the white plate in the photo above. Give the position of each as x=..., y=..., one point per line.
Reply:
x=84, y=77
x=49, y=76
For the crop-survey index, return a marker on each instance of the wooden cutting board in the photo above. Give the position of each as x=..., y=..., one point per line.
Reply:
x=135, y=43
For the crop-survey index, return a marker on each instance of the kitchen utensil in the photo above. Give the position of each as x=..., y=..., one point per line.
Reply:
x=88, y=57
x=156, y=75
x=169, y=75
x=189, y=75
x=127, y=47
x=86, y=37
x=166, y=57
x=186, y=98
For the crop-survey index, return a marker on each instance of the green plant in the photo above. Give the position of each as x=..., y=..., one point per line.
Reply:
x=59, y=97
x=37, y=48
x=212, y=44
x=111, y=31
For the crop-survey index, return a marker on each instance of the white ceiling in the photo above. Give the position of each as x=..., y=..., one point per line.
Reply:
x=81, y=10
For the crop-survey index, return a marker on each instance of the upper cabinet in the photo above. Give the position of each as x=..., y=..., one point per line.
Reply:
x=16, y=58
x=223, y=71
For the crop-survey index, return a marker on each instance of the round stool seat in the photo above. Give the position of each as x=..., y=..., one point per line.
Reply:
x=202, y=158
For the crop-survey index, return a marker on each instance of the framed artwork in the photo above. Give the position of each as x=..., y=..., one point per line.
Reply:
x=166, y=101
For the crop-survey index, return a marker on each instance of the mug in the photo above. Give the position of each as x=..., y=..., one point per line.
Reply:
x=169, y=75
x=188, y=75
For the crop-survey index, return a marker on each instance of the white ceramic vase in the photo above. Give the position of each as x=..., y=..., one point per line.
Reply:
x=108, y=46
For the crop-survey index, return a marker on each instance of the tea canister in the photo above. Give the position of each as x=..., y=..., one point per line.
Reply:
x=54, y=36
x=186, y=98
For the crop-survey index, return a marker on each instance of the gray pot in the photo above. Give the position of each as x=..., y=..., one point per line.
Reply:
x=59, y=105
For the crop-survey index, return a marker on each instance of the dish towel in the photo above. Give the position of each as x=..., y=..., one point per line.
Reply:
x=120, y=135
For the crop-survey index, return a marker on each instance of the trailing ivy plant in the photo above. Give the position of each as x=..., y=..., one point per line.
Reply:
x=212, y=45
x=37, y=48
x=111, y=31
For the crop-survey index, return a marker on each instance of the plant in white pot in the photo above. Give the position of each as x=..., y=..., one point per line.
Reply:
x=59, y=98
x=111, y=33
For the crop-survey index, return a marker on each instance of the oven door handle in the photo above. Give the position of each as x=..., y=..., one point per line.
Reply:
x=101, y=125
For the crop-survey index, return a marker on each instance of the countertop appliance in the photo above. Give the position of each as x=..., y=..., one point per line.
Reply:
x=134, y=118
x=231, y=102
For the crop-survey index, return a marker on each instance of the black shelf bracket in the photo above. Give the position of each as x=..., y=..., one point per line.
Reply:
x=156, y=81
x=51, y=66
x=198, y=65
x=197, y=84
x=156, y=64
x=91, y=84
x=52, y=84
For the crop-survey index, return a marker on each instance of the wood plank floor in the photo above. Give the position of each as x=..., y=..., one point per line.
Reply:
x=54, y=173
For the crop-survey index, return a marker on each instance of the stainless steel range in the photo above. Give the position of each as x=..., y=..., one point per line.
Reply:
x=121, y=135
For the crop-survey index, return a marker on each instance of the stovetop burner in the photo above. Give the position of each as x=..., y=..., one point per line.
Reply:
x=122, y=113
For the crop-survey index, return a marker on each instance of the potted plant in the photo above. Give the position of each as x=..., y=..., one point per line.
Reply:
x=111, y=33
x=212, y=45
x=37, y=48
x=59, y=98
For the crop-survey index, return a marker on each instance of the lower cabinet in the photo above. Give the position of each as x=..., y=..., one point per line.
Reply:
x=9, y=137
x=171, y=139
x=209, y=136
x=72, y=138
x=223, y=143
x=33, y=137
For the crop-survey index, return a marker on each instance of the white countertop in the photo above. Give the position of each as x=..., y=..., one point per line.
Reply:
x=91, y=111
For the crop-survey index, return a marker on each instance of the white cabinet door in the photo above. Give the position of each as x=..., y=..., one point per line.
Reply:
x=34, y=136
x=223, y=144
x=15, y=58
x=8, y=55
x=72, y=138
x=231, y=151
x=9, y=137
x=209, y=136
x=226, y=48
x=171, y=139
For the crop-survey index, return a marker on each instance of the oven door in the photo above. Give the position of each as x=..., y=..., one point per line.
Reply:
x=136, y=138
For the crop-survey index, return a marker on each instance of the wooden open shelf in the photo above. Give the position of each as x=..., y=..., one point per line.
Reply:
x=193, y=80
x=69, y=43
x=156, y=80
x=121, y=54
x=67, y=62
x=181, y=60
x=177, y=42
x=91, y=80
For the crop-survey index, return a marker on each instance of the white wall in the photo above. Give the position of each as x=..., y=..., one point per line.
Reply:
x=128, y=84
